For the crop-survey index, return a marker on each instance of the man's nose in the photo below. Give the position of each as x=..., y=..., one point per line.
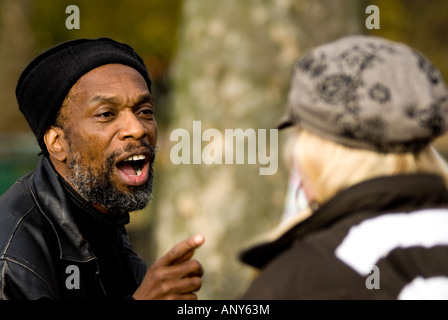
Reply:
x=131, y=127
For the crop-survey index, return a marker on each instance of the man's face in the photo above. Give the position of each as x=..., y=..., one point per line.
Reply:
x=111, y=134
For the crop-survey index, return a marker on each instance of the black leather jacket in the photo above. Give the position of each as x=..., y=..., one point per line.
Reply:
x=55, y=246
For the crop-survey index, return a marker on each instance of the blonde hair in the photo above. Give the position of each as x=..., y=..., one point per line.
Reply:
x=331, y=167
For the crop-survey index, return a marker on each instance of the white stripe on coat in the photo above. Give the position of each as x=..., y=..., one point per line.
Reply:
x=372, y=239
x=434, y=288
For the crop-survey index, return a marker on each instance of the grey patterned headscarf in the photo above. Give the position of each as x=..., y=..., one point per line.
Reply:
x=370, y=93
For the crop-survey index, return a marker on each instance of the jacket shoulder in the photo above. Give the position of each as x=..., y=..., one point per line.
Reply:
x=15, y=204
x=26, y=243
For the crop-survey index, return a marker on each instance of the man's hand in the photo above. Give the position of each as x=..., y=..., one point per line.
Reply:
x=174, y=276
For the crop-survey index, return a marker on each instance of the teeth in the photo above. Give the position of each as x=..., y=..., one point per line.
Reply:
x=137, y=168
x=136, y=158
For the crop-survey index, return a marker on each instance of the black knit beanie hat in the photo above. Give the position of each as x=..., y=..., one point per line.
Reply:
x=46, y=81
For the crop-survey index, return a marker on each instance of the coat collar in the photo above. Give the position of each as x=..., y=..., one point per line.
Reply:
x=58, y=205
x=380, y=195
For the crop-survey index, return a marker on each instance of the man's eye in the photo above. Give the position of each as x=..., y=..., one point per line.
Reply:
x=147, y=112
x=106, y=114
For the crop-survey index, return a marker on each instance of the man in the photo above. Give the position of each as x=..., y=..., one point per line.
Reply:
x=62, y=232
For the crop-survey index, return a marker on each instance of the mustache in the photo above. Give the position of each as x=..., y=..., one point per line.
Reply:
x=131, y=147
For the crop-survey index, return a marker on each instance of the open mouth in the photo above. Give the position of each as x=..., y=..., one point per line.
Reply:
x=134, y=170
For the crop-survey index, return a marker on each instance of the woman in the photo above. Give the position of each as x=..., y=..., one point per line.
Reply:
x=365, y=111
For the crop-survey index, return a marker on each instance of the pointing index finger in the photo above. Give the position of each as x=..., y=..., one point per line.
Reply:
x=184, y=250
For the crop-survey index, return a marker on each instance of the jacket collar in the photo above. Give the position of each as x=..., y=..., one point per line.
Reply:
x=57, y=204
x=379, y=195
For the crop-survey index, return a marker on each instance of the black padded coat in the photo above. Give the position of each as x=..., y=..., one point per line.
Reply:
x=386, y=238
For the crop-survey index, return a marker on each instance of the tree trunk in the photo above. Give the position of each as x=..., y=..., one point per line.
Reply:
x=232, y=70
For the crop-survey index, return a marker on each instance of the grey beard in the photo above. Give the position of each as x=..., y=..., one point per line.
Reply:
x=99, y=189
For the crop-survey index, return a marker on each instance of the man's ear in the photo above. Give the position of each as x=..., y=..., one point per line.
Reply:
x=56, y=143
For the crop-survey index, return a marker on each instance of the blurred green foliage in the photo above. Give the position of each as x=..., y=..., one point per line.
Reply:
x=421, y=24
x=149, y=26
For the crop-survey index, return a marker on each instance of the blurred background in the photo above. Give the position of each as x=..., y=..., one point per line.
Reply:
x=225, y=63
